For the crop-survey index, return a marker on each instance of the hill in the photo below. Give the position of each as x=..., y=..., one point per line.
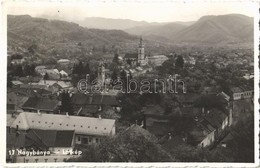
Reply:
x=233, y=28
x=168, y=30
x=65, y=39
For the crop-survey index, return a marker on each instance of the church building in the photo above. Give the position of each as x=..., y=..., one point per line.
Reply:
x=138, y=58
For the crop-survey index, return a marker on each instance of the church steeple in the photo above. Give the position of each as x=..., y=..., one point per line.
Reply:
x=141, y=45
x=141, y=50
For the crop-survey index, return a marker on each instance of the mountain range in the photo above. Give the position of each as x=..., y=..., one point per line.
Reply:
x=233, y=28
x=62, y=35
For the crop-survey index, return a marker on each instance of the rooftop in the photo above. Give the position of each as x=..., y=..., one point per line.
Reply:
x=40, y=104
x=81, y=125
x=131, y=55
x=40, y=138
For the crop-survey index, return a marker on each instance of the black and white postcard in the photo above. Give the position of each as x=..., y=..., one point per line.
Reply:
x=130, y=83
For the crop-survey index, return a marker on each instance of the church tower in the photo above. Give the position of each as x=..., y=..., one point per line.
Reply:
x=141, y=55
x=101, y=74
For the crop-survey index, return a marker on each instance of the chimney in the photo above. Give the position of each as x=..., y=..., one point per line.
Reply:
x=67, y=114
x=99, y=117
x=169, y=136
x=196, y=119
x=13, y=115
x=208, y=112
x=142, y=125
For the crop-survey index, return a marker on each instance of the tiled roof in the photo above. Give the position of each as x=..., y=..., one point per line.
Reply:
x=131, y=55
x=54, y=138
x=236, y=90
x=40, y=104
x=9, y=120
x=62, y=84
x=40, y=138
x=96, y=99
x=81, y=125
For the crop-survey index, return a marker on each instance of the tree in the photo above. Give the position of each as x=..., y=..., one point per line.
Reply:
x=179, y=62
x=128, y=61
x=132, y=145
x=9, y=80
x=123, y=78
x=46, y=76
x=87, y=69
x=19, y=71
x=32, y=48
x=66, y=104
x=116, y=59
x=114, y=77
x=29, y=70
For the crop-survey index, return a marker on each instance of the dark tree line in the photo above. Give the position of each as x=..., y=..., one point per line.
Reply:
x=80, y=71
x=66, y=103
x=21, y=70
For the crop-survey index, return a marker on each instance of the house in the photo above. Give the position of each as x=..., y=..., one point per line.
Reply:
x=31, y=90
x=201, y=126
x=242, y=92
x=218, y=119
x=157, y=60
x=236, y=93
x=56, y=84
x=88, y=130
x=52, y=142
x=212, y=90
x=248, y=92
x=187, y=100
x=90, y=104
x=63, y=62
x=40, y=69
x=16, y=100
x=208, y=128
x=18, y=61
x=63, y=74
x=52, y=73
x=43, y=105
x=138, y=58
x=16, y=82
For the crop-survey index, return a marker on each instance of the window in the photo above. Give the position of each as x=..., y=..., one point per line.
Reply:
x=105, y=128
x=88, y=126
x=78, y=138
x=39, y=122
x=46, y=122
x=95, y=127
x=90, y=140
x=67, y=125
x=96, y=140
x=74, y=125
x=81, y=126
x=32, y=121
x=85, y=140
x=60, y=124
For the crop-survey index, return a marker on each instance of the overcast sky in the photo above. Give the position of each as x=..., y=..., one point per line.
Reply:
x=139, y=11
